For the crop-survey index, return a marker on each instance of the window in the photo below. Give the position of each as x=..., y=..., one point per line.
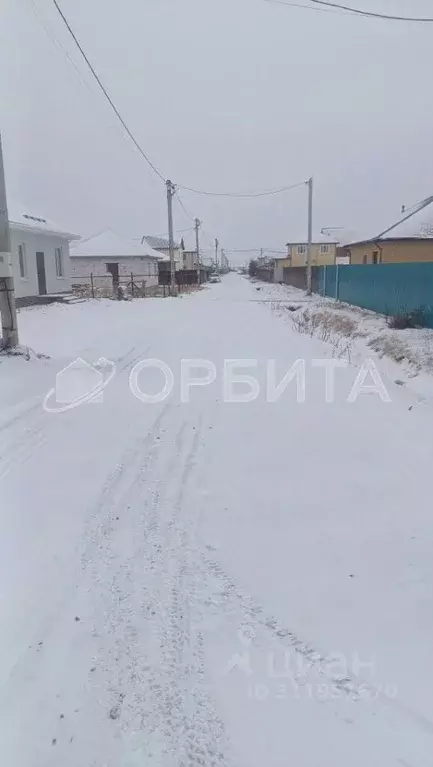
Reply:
x=364, y=259
x=301, y=250
x=324, y=248
x=375, y=256
x=22, y=258
x=59, y=262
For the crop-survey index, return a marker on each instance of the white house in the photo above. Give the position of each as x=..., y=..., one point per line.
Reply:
x=107, y=255
x=40, y=254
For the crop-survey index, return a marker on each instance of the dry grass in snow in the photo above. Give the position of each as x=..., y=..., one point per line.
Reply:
x=343, y=326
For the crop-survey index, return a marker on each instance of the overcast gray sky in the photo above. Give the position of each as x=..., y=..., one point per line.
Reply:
x=225, y=95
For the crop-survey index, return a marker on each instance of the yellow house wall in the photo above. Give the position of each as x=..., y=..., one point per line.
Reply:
x=393, y=252
x=317, y=258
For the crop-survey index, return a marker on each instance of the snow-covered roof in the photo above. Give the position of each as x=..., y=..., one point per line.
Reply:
x=109, y=244
x=158, y=243
x=26, y=219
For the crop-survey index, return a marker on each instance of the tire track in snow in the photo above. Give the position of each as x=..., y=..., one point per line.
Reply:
x=150, y=654
x=135, y=581
x=101, y=520
x=20, y=452
x=127, y=471
x=20, y=417
x=109, y=690
x=197, y=731
x=254, y=614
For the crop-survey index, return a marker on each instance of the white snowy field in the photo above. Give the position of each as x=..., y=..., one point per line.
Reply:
x=210, y=583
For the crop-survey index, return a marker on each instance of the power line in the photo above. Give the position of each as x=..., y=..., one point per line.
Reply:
x=307, y=7
x=106, y=94
x=372, y=14
x=245, y=250
x=183, y=206
x=347, y=10
x=56, y=42
x=242, y=194
x=238, y=195
x=165, y=234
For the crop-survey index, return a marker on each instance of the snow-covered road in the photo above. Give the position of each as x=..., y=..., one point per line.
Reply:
x=210, y=583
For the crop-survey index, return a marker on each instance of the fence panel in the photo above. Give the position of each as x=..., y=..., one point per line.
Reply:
x=103, y=286
x=385, y=288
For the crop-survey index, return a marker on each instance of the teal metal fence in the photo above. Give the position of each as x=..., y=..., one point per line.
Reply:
x=386, y=288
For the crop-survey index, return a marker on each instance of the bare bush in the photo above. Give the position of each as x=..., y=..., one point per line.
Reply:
x=324, y=324
x=405, y=320
x=301, y=322
x=395, y=348
x=344, y=325
x=328, y=327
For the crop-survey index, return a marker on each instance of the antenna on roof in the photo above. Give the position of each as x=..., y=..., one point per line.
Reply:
x=327, y=230
x=407, y=215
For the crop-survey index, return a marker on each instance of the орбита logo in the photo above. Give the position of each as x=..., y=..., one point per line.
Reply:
x=78, y=384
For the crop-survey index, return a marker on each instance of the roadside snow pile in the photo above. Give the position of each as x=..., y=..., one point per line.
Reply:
x=23, y=351
x=343, y=325
x=412, y=347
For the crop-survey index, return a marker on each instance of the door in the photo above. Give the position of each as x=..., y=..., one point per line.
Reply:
x=113, y=269
x=42, y=278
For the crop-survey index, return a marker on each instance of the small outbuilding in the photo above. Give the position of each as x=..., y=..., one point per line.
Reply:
x=107, y=258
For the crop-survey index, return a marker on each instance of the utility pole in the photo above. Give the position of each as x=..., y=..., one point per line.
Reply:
x=310, y=236
x=170, y=194
x=216, y=254
x=197, y=249
x=8, y=312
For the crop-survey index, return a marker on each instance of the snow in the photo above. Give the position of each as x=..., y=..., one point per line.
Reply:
x=211, y=583
x=403, y=355
x=23, y=218
x=108, y=244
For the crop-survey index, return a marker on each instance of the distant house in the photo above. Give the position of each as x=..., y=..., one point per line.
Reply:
x=410, y=239
x=40, y=254
x=324, y=251
x=162, y=246
x=189, y=259
x=107, y=255
x=280, y=263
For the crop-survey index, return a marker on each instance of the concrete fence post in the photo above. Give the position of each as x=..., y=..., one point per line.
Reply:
x=92, y=284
